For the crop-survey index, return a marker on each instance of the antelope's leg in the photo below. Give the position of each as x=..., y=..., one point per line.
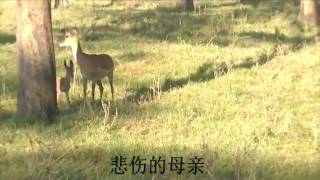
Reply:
x=74, y=75
x=93, y=89
x=85, y=84
x=100, y=88
x=58, y=97
x=68, y=99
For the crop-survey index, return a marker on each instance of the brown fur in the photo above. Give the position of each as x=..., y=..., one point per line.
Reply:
x=63, y=83
x=93, y=67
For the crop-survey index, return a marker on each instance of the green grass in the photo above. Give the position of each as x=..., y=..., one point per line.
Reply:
x=216, y=83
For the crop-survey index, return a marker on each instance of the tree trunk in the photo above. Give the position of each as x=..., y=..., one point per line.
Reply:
x=35, y=59
x=308, y=11
x=186, y=5
x=58, y=3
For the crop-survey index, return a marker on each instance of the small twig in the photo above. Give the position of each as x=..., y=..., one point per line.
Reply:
x=106, y=109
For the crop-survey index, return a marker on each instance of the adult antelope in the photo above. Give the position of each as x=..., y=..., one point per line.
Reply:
x=93, y=67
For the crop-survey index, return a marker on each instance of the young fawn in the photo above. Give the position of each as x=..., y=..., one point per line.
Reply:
x=63, y=83
x=93, y=67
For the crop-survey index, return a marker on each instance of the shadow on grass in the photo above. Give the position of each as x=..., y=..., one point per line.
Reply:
x=169, y=24
x=96, y=162
x=7, y=38
x=207, y=72
x=157, y=24
x=220, y=5
x=204, y=73
x=275, y=5
x=106, y=110
x=133, y=56
x=6, y=114
x=264, y=58
x=275, y=37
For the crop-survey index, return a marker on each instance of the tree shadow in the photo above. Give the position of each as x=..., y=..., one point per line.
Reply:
x=8, y=93
x=7, y=38
x=107, y=109
x=6, y=114
x=162, y=23
x=169, y=24
x=99, y=161
x=278, y=50
x=277, y=37
x=220, y=5
x=205, y=72
x=133, y=55
x=276, y=5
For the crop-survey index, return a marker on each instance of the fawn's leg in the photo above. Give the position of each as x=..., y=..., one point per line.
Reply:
x=58, y=98
x=85, y=84
x=68, y=99
x=110, y=78
x=93, y=89
x=86, y=103
x=100, y=88
x=74, y=75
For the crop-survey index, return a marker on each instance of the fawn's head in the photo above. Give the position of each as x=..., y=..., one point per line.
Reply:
x=69, y=69
x=70, y=39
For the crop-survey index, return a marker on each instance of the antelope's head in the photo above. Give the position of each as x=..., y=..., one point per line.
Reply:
x=70, y=39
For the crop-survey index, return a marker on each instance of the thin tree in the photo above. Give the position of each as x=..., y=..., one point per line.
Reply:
x=186, y=5
x=35, y=59
x=308, y=11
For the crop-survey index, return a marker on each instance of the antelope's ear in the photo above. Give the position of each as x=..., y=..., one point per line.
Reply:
x=63, y=31
x=65, y=64
x=75, y=32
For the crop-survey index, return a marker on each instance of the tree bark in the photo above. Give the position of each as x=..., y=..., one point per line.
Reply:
x=35, y=59
x=308, y=11
x=58, y=3
x=186, y=5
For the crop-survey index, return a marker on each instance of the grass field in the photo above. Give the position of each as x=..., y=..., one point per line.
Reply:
x=236, y=84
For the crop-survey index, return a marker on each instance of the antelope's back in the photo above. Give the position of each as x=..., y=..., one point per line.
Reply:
x=96, y=66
